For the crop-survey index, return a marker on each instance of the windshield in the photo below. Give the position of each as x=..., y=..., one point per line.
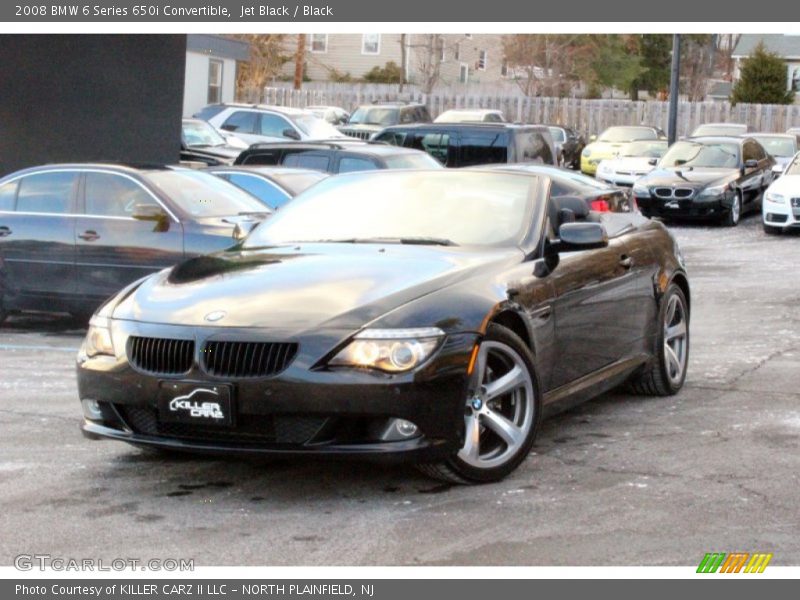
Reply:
x=197, y=133
x=777, y=146
x=646, y=149
x=414, y=207
x=417, y=160
x=692, y=154
x=299, y=182
x=794, y=167
x=204, y=195
x=374, y=115
x=316, y=128
x=719, y=129
x=557, y=133
x=627, y=134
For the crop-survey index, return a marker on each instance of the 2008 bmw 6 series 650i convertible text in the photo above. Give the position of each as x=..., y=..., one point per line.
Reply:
x=427, y=316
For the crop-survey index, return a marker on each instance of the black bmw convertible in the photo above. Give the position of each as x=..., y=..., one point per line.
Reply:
x=427, y=316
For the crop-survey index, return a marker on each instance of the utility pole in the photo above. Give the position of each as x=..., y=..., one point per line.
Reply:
x=674, y=89
x=299, y=59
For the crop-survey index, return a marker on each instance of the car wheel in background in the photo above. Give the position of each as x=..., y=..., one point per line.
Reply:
x=735, y=212
x=665, y=374
x=501, y=413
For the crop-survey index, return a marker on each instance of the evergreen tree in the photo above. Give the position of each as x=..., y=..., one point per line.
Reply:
x=762, y=80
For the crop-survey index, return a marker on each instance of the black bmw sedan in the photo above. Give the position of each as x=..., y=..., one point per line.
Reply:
x=707, y=178
x=423, y=316
x=72, y=235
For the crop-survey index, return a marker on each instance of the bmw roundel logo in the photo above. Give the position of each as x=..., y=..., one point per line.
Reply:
x=215, y=316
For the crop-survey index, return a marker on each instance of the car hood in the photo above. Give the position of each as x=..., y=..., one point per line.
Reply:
x=629, y=163
x=302, y=287
x=697, y=177
x=604, y=149
x=788, y=185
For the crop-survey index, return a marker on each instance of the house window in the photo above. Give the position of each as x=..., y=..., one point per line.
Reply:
x=482, y=60
x=463, y=73
x=504, y=69
x=796, y=80
x=319, y=43
x=214, y=81
x=371, y=43
x=457, y=52
x=442, y=53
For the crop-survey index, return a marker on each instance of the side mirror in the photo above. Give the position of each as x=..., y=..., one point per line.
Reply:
x=652, y=162
x=581, y=236
x=751, y=164
x=148, y=212
x=291, y=134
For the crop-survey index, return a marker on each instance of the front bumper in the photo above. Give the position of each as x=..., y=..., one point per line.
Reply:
x=691, y=208
x=303, y=410
x=783, y=215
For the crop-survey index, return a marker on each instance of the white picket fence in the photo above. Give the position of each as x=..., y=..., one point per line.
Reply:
x=588, y=116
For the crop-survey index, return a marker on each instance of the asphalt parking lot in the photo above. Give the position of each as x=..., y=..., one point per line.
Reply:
x=622, y=480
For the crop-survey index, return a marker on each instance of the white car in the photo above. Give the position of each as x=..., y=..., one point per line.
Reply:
x=257, y=123
x=781, y=206
x=466, y=115
x=634, y=160
x=781, y=146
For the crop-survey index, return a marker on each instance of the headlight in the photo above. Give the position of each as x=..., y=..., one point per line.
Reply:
x=641, y=190
x=717, y=190
x=586, y=152
x=774, y=198
x=98, y=338
x=391, y=350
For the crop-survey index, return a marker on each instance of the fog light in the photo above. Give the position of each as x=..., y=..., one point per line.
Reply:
x=92, y=410
x=398, y=429
x=406, y=428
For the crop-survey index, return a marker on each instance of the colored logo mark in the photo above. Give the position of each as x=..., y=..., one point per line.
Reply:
x=734, y=562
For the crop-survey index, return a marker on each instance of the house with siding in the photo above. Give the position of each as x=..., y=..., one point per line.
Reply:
x=211, y=65
x=785, y=45
x=464, y=59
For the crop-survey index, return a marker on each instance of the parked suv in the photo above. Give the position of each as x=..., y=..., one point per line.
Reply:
x=467, y=144
x=369, y=119
x=255, y=123
x=336, y=156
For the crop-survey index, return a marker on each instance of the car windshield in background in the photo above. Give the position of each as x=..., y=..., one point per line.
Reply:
x=374, y=116
x=691, y=154
x=711, y=130
x=425, y=207
x=201, y=134
x=316, y=128
x=777, y=146
x=647, y=149
x=627, y=134
x=298, y=182
x=204, y=195
x=417, y=160
x=557, y=133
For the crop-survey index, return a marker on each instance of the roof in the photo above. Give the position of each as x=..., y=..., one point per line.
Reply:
x=216, y=45
x=718, y=139
x=478, y=125
x=287, y=110
x=784, y=45
x=349, y=145
x=758, y=134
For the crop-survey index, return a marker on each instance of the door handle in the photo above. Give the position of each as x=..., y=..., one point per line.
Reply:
x=89, y=236
x=4, y=231
x=626, y=261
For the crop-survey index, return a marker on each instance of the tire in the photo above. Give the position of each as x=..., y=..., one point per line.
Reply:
x=734, y=214
x=772, y=230
x=504, y=421
x=660, y=376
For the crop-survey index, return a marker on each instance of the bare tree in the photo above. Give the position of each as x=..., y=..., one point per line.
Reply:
x=427, y=51
x=543, y=64
x=403, y=58
x=267, y=56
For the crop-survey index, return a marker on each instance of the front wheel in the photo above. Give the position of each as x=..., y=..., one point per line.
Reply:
x=735, y=211
x=501, y=413
x=666, y=372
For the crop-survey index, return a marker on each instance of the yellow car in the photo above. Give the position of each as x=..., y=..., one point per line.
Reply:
x=609, y=143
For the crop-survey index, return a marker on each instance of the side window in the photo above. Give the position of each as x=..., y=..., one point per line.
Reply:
x=434, y=144
x=748, y=152
x=544, y=149
x=348, y=164
x=264, y=190
x=109, y=195
x=493, y=118
x=483, y=148
x=761, y=154
x=8, y=194
x=273, y=125
x=424, y=115
x=262, y=158
x=395, y=138
x=242, y=121
x=407, y=115
x=46, y=192
x=306, y=160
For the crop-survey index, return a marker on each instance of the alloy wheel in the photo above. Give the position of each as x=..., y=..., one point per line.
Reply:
x=500, y=413
x=675, y=340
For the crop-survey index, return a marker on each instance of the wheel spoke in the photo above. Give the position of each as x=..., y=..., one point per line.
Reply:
x=508, y=432
x=472, y=441
x=480, y=363
x=673, y=361
x=507, y=383
x=676, y=331
x=673, y=303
